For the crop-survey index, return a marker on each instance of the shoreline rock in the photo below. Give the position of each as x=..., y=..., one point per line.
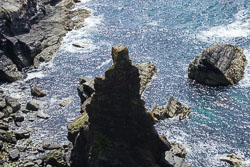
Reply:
x=219, y=65
x=31, y=32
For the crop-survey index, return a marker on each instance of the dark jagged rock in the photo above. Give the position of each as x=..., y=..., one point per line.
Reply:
x=13, y=103
x=120, y=131
x=37, y=92
x=22, y=134
x=18, y=117
x=14, y=154
x=146, y=72
x=219, y=65
x=173, y=108
x=33, y=105
x=31, y=31
x=85, y=88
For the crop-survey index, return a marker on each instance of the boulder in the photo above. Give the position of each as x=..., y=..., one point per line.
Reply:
x=50, y=145
x=232, y=159
x=173, y=108
x=2, y=103
x=33, y=105
x=120, y=131
x=14, y=154
x=178, y=150
x=18, y=117
x=65, y=102
x=175, y=161
x=13, y=103
x=22, y=134
x=37, y=92
x=55, y=158
x=41, y=114
x=219, y=65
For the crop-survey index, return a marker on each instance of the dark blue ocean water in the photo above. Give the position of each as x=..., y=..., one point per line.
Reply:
x=169, y=33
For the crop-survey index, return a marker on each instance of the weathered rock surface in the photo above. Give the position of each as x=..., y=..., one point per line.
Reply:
x=219, y=65
x=14, y=154
x=33, y=105
x=232, y=159
x=174, y=160
x=120, y=131
x=55, y=158
x=178, y=150
x=37, y=92
x=31, y=31
x=173, y=108
x=146, y=72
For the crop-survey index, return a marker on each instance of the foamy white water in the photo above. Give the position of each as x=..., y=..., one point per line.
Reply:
x=240, y=27
x=245, y=82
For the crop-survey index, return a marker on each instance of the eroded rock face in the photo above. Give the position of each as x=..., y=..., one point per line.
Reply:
x=31, y=31
x=120, y=131
x=219, y=65
x=173, y=108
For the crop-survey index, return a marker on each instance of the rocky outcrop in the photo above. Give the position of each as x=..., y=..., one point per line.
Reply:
x=232, y=159
x=219, y=65
x=119, y=131
x=173, y=108
x=146, y=72
x=31, y=31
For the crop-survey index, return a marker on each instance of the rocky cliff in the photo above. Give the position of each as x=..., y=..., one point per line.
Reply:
x=31, y=31
x=115, y=129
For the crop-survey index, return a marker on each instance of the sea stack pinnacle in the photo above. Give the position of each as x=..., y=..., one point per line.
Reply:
x=119, y=132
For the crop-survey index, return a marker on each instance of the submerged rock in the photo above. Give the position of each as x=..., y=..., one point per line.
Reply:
x=120, y=131
x=219, y=65
x=173, y=108
x=232, y=159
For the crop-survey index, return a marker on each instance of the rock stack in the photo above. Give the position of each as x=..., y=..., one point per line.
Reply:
x=115, y=129
x=219, y=65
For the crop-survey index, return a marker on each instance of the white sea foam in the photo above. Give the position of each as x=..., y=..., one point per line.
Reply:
x=34, y=74
x=245, y=82
x=83, y=35
x=104, y=63
x=240, y=27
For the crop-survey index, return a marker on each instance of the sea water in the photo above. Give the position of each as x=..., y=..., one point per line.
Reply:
x=169, y=33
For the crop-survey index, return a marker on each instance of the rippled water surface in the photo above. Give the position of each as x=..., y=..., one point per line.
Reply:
x=169, y=33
